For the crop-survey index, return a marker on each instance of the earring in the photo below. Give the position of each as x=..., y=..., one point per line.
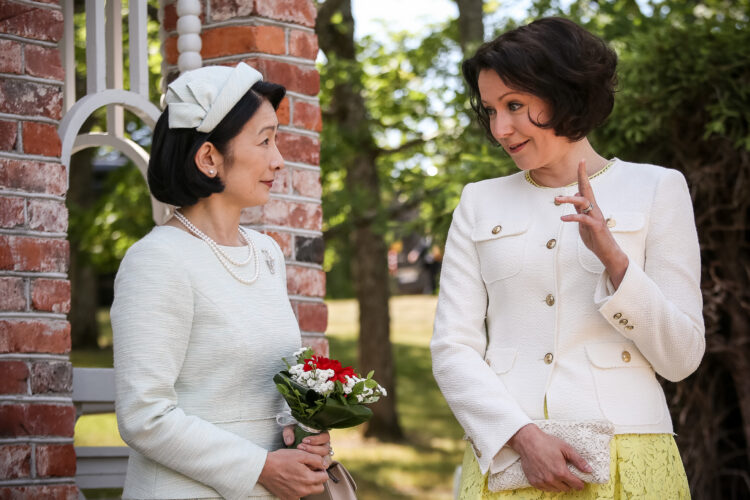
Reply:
x=212, y=172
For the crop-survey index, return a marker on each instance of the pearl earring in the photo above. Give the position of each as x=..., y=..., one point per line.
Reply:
x=212, y=172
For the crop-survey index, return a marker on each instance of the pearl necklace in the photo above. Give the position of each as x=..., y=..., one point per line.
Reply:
x=223, y=257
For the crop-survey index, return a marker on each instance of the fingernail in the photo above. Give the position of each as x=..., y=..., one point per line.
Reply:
x=306, y=440
x=588, y=468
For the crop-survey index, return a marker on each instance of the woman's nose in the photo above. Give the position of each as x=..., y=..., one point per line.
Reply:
x=277, y=161
x=501, y=126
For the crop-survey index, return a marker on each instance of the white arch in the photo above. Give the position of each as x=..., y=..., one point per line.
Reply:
x=161, y=212
x=81, y=110
x=72, y=142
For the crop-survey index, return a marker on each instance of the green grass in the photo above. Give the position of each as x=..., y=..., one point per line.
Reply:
x=420, y=467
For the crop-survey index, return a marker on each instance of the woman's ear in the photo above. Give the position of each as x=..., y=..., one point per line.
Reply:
x=208, y=159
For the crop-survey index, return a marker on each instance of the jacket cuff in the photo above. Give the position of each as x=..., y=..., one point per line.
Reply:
x=620, y=308
x=242, y=487
x=491, y=449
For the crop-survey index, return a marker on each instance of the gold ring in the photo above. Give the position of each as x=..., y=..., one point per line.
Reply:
x=588, y=209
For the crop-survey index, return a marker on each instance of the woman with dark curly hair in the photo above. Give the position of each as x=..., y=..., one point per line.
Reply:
x=566, y=287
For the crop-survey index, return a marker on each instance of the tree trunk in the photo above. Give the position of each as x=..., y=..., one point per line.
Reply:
x=370, y=271
x=470, y=25
x=369, y=265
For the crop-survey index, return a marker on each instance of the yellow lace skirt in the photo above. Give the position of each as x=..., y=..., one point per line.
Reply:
x=643, y=466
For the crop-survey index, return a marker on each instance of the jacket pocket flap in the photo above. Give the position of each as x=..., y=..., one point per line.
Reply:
x=500, y=359
x=625, y=222
x=616, y=355
x=492, y=229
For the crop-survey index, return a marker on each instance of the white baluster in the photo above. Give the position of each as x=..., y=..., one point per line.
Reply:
x=95, y=47
x=189, y=27
x=115, y=115
x=137, y=19
x=69, y=55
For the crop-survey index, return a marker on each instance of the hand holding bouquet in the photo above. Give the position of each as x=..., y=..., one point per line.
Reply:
x=324, y=395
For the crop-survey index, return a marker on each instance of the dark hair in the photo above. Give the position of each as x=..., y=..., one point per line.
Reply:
x=556, y=60
x=173, y=176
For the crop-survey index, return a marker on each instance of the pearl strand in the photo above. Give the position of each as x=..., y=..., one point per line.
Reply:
x=225, y=259
x=193, y=229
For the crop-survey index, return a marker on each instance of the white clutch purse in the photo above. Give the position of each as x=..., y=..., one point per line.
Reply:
x=590, y=438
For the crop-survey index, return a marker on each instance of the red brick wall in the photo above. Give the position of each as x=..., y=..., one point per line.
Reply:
x=277, y=37
x=37, y=459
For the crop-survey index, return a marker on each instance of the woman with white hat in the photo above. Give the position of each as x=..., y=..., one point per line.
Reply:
x=201, y=317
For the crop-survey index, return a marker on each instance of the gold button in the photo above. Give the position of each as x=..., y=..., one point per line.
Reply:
x=611, y=222
x=550, y=300
x=551, y=243
x=626, y=356
x=497, y=229
x=629, y=327
x=617, y=315
x=548, y=358
x=623, y=321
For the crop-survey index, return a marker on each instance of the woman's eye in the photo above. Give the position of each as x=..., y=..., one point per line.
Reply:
x=489, y=111
x=266, y=142
x=514, y=106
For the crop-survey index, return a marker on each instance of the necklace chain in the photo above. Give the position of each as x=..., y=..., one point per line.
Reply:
x=531, y=180
x=223, y=257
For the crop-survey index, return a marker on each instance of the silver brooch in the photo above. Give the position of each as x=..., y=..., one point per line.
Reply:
x=270, y=262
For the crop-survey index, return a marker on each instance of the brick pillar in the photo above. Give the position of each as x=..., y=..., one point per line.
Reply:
x=37, y=459
x=277, y=37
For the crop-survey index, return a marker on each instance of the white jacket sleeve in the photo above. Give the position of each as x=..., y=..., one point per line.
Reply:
x=659, y=306
x=478, y=398
x=152, y=317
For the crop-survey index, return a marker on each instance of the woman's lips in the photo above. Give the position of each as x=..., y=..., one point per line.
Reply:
x=517, y=147
x=268, y=183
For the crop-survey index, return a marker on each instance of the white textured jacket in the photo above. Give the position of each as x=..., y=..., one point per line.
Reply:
x=195, y=355
x=527, y=312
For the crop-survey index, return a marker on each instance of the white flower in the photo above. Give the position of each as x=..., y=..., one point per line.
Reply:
x=315, y=379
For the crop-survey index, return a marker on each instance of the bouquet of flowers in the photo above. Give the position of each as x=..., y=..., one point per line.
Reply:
x=324, y=395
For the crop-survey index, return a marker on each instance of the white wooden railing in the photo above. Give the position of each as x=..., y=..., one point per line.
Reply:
x=97, y=466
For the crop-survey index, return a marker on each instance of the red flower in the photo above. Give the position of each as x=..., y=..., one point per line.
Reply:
x=322, y=363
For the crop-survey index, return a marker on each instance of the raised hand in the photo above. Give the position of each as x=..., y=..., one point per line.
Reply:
x=593, y=228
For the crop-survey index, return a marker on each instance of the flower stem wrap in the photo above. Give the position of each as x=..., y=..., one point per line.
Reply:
x=301, y=431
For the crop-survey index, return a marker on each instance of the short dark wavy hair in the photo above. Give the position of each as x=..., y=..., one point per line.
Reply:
x=173, y=177
x=556, y=60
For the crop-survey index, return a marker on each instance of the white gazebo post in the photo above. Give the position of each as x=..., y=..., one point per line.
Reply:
x=189, y=28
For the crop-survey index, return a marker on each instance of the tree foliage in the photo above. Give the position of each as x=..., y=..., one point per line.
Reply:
x=428, y=145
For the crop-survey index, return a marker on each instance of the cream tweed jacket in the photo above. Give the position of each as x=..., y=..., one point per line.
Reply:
x=195, y=353
x=527, y=313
